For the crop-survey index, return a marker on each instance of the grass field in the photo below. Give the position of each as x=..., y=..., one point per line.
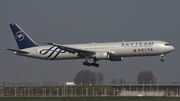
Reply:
x=90, y=98
x=73, y=93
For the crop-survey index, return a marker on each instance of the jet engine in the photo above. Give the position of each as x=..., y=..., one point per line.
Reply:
x=115, y=58
x=102, y=55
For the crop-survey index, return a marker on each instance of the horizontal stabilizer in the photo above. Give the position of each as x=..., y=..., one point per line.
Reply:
x=18, y=51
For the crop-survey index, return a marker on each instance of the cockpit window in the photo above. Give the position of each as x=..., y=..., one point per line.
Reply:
x=167, y=44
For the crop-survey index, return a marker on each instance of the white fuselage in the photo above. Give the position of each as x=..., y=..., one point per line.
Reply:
x=117, y=49
x=113, y=51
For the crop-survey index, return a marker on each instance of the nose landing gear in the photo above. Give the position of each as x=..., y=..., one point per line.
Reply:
x=162, y=57
x=162, y=60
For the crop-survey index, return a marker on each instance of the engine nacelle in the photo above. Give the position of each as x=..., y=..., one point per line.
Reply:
x=115, y=58
x=102, y=55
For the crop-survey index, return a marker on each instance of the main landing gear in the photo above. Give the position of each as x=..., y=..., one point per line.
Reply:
x=162, y=57
x=86, y=63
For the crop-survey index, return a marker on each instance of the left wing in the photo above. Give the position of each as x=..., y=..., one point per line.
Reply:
x=73, y=50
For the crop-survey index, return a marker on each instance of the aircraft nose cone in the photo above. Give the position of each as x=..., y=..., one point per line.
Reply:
x=171, y=48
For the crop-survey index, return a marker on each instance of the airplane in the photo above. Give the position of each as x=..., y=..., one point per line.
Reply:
x=112, y=51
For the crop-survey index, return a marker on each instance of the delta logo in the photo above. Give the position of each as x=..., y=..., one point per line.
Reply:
x=143, y=50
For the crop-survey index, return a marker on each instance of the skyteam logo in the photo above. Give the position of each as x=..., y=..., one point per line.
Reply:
x=19, y=36
x=52, y=52
x=137, y=44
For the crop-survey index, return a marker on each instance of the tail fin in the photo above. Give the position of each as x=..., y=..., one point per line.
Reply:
x=22, y=39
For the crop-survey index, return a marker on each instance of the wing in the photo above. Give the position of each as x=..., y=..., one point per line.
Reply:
x=72, y=50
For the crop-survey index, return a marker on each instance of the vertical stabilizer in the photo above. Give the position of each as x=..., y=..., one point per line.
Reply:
x=22, y=39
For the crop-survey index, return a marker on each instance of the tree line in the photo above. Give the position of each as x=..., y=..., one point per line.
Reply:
x=86, y=77
x=89, y=77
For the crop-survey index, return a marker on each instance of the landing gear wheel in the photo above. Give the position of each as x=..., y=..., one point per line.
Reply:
x=93, y=64
x=162, y=57
x=88, y=64
x=96, y=65
x=85, y=63
x=162, y=60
